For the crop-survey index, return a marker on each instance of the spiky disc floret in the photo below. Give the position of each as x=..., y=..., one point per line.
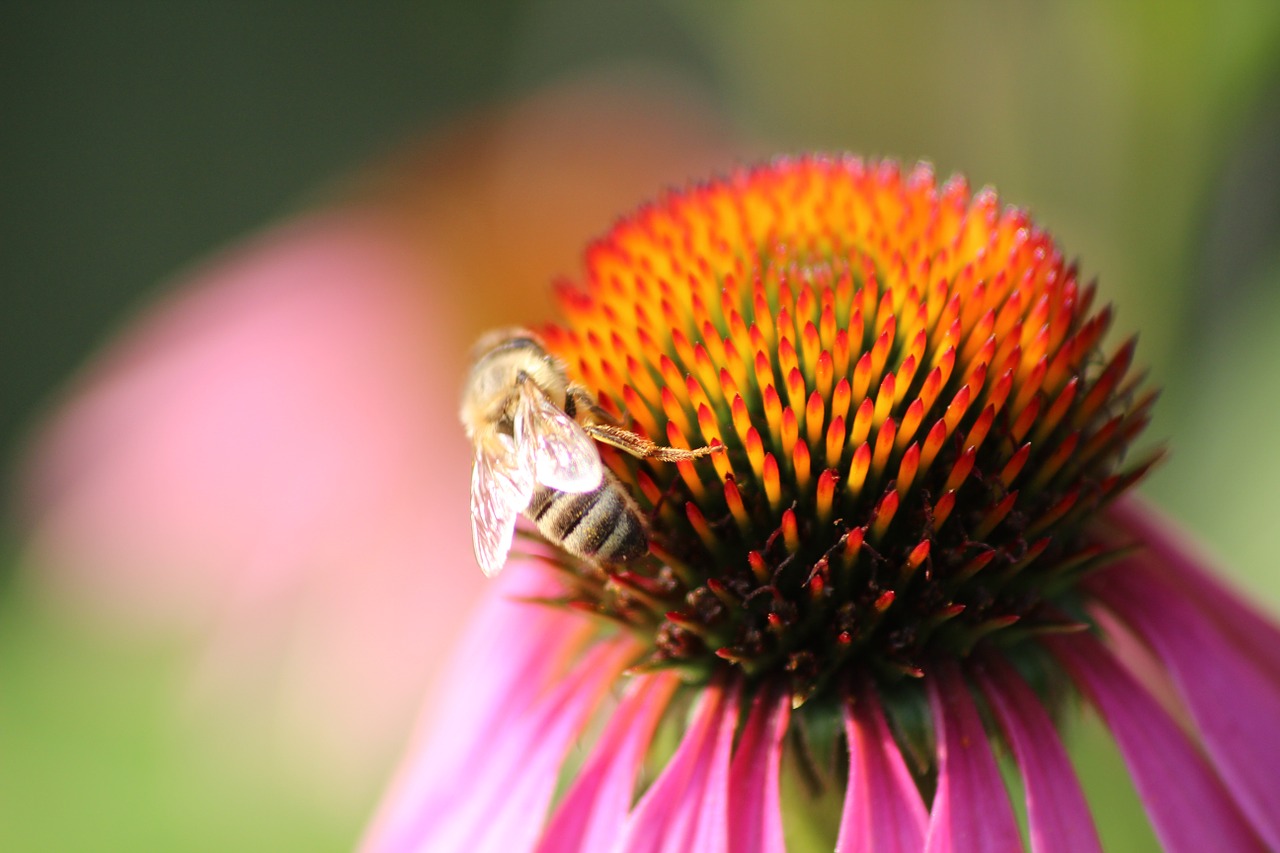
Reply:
x=916, y=411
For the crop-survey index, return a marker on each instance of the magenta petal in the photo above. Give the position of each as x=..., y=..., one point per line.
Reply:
x=498, y=802
x=520, y=648
x=594, y=810
x=1136, y=656
x=1187, y=804
x=1172, y=556
x=1057, y=813
x=686, y=808
x=882, y=806
x=1235, y=704
x=971, y=810
x=755, y=809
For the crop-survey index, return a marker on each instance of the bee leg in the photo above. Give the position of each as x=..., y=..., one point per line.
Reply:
x=579, y=404
x=643, y=448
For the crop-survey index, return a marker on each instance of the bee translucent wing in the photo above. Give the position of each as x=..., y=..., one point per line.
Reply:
x=558, y=451
x=500, y=489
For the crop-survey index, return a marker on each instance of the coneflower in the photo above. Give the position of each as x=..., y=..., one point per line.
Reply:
x=908, y=561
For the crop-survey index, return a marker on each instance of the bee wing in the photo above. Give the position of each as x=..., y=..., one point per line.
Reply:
x=500, y=488
x=554, y=446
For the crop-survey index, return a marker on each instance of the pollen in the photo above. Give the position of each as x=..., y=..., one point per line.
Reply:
x=917, y=414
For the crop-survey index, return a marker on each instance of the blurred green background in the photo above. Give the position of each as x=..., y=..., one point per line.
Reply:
x=137, y=137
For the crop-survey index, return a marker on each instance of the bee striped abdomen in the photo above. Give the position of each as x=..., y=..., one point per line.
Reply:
x=602, y=524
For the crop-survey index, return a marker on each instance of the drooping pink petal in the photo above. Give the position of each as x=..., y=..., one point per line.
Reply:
x=1189, y=808
x=497, y=802
x=1179, y=560
x=971, y=809
x=593, y=812
x=686, y=808
x=755, y=809
x=1057, y=813
x=1235, y=703
x=511, y=820
x=1133, y=653
x=509, y=655
x=883, y=810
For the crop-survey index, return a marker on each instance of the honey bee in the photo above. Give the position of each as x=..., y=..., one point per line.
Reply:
x=534, y=434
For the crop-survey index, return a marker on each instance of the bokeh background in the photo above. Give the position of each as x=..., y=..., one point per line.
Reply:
x=138, y=140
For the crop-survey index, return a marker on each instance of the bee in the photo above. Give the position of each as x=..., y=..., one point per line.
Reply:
x=534, y=434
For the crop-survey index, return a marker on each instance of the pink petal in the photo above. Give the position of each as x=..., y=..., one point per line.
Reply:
x=1235, y=703
x=1057, y=813
x=1187, y=804
x=497, y=802
x=520, y=648
x=686, y=808
x=882, y=806
x=971, y=810
x=511, y=820
x=1133, y=653
x=755, y=810
x=1256, y=635
x=593, y=812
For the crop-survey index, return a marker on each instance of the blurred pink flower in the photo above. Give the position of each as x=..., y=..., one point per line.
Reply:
x=262, y=457
x=911, y=588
